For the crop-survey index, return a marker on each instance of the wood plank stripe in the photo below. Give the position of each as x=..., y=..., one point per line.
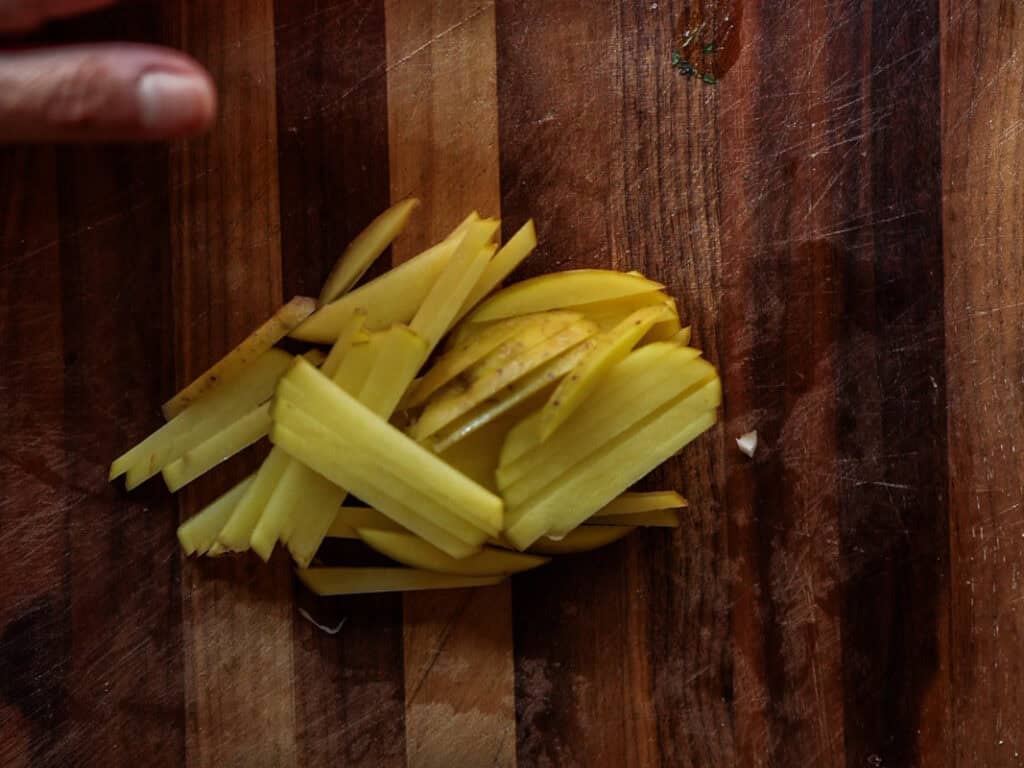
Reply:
x=333, y=160
x=620, y=652
x=227, y=279
x=442, y=120
x=35, y=622
x=893, y=473
x=982, y=152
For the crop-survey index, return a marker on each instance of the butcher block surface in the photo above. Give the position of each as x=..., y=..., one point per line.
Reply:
x=841, y=216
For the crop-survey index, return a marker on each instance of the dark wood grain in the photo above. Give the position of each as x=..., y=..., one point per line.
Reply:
x=614, y=154
x=983, y=110
x=332, y=132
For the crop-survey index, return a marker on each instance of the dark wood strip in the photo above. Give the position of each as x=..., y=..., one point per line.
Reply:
x=35, y=625
x=892, y=420
x=333, y=160
x=225, y=237
x=442, y=125
x=982, y=155
x=620, y=653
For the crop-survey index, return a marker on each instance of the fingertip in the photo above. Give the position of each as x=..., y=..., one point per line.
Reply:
x=175, y=104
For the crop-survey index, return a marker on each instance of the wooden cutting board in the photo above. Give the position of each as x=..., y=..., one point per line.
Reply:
x=841, y=219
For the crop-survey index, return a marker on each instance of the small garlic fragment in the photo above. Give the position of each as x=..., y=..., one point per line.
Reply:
x=323, y=628
x=748, y=443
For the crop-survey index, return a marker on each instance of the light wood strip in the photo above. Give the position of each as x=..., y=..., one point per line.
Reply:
x=442, y=120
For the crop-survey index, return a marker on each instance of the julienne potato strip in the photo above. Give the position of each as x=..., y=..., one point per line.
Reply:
x=361, y=581
x=276, y=519
x=446, y=409
x=349, y=519
x=511, y=397
x=206, y=417
x=394, y=297
x=376, y=439
x=560, y=290
x=199, y=532
x=580, y=540
x=401, y=354
x=366, y=248
x=412, y=551
x=644, y=381
x=259, y=341
x=640, y=502
x=218, y=448
x=610, y=471
x=306, y=450
x=238, y=529
x=510, y=256
x=610, y=349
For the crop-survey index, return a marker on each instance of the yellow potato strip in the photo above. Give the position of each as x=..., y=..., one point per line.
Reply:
x=199, y=532
x=259, y=341
x=362, y=581
x=412, y=551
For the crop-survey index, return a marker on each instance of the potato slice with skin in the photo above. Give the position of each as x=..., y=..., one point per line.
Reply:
x=640, y=502
x=206, y=417
x=409, y=550
x=231, y=365
x=608, y=314
x=199, y=532
x=637, y=386
x=604, y=475
x=218, y=448
x=581, y=540
x=364, y=581
x=607, y=352
x=238, y=528
x=511, y=398
x=511, y=255
x=560, y=290
x=462, y=357
x=366, y=248
x=656, y=518
x=536, y=470
x=443, y=411
x=364, y=443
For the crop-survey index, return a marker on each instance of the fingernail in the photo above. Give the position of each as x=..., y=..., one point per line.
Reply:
x=170, y=103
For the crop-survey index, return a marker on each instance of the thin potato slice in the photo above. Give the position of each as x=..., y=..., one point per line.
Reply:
x=544, y=466
x=206, y=417
x=436, y=315
x=394, y=297
x=366, y=248
x=458, y=359
x=683, y=337
x=364, y=581
x=446, y=409
x=409, y=550
x=238, y=359
x=218, y=448
x=402, y=354
x=236, y=532
x=580, y=540
x=608, y=314
x=560, y=290
x=633, y=389
x=536, y=330
x=656, y=518
x=284, y=506
x=511, y=255
x=199, y=532
x=510, y=398
x=313, y=518
x=607, y=352
x=352, y=333
x=609, y=472
x=363, y=443
x=476, y=456
x=638, y=503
